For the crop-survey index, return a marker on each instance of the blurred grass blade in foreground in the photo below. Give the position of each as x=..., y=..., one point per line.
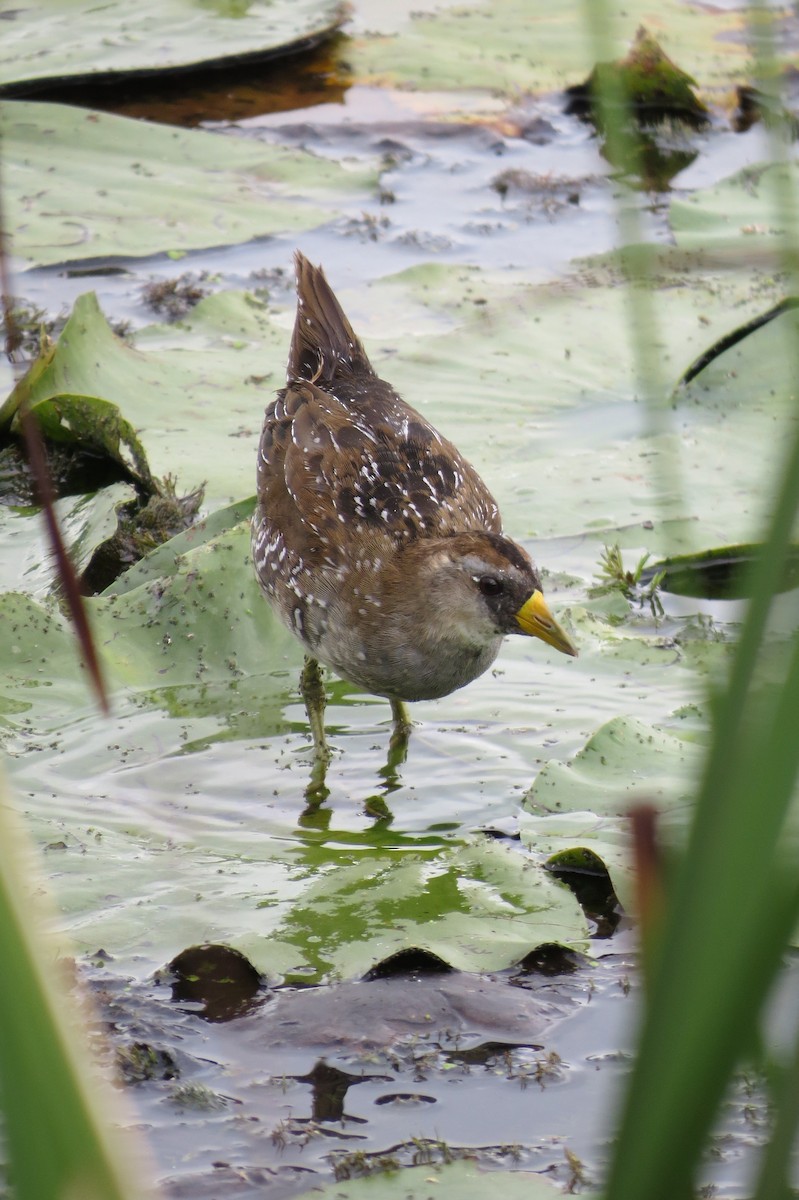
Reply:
x=56, y=1112
x=732, y=902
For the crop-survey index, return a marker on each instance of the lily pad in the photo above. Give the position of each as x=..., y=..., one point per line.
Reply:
x=84, y=185
x=723, y=573
x=479, y=908
x=89, y=425
x=206, y=759
x=624, y=762
x=180, y=403
x=479, y=45
x=72, y=39
x=168, y=641
x=453, y=1181
x=739, y=213
x=86, y=522
x=583, y=805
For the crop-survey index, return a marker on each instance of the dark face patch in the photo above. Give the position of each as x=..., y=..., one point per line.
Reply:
x=505, y=603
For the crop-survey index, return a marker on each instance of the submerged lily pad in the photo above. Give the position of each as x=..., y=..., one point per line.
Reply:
x=56, y=40
x=478, y=907
x=86, y=522
x=81, y=185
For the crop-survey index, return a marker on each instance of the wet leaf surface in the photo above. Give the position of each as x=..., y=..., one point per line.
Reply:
x=128, y=188
x=578, y=811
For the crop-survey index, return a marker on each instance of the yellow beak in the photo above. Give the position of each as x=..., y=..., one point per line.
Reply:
x=535, y=619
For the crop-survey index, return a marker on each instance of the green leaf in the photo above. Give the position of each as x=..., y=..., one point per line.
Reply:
x=478, y=45
x=94, y=425
x=480, y=907
x=723, y=573
x=82, y=185
x=737, y=213
x=453, y=1181
x=71, y=38
x=86, y=522
x=583, y=805
x=44, y=1054
x=177, y=395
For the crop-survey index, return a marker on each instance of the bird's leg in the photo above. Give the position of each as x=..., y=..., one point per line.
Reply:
x=400, y=735
x=397, y=753
x=312, y=686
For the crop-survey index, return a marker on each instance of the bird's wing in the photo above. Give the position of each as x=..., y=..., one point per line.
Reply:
x=323, y=464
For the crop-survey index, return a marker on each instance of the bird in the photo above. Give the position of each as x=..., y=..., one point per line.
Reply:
x=375, y=541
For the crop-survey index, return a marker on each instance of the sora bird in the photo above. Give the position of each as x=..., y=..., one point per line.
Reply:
x=376, y=542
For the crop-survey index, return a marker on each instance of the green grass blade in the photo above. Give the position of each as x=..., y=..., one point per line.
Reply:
x=56, y=1111
x=733, y=904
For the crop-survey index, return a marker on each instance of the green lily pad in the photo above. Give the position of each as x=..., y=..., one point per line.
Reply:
x=453, y=1181
x=739, y=213
x=191, y=389
x=68, y=39
x=205, y=760
x=86, y=522
x=478, y=45
x=81, y=184
x=624, y=762
x=583, y=806
x=479, y=908
x=163, y=559
x=719, y=574
x=90, y=425
x=178, y=396
x=175, y=638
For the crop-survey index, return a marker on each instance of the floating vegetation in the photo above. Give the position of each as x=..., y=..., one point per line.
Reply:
x=634, y=585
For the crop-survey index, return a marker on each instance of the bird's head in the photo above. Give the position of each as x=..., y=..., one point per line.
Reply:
x=485, y=586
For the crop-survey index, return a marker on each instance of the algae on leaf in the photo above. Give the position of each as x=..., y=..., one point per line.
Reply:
x=655, y=88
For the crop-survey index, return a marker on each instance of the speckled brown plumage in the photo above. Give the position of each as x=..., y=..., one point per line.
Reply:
x=376, y=541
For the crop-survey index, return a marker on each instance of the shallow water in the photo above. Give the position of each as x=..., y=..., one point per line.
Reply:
x=182, y=820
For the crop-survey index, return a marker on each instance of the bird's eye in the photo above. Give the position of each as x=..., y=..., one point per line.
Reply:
x=489, y=585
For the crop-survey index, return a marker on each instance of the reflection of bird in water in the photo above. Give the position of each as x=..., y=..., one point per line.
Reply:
x=377, y=543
